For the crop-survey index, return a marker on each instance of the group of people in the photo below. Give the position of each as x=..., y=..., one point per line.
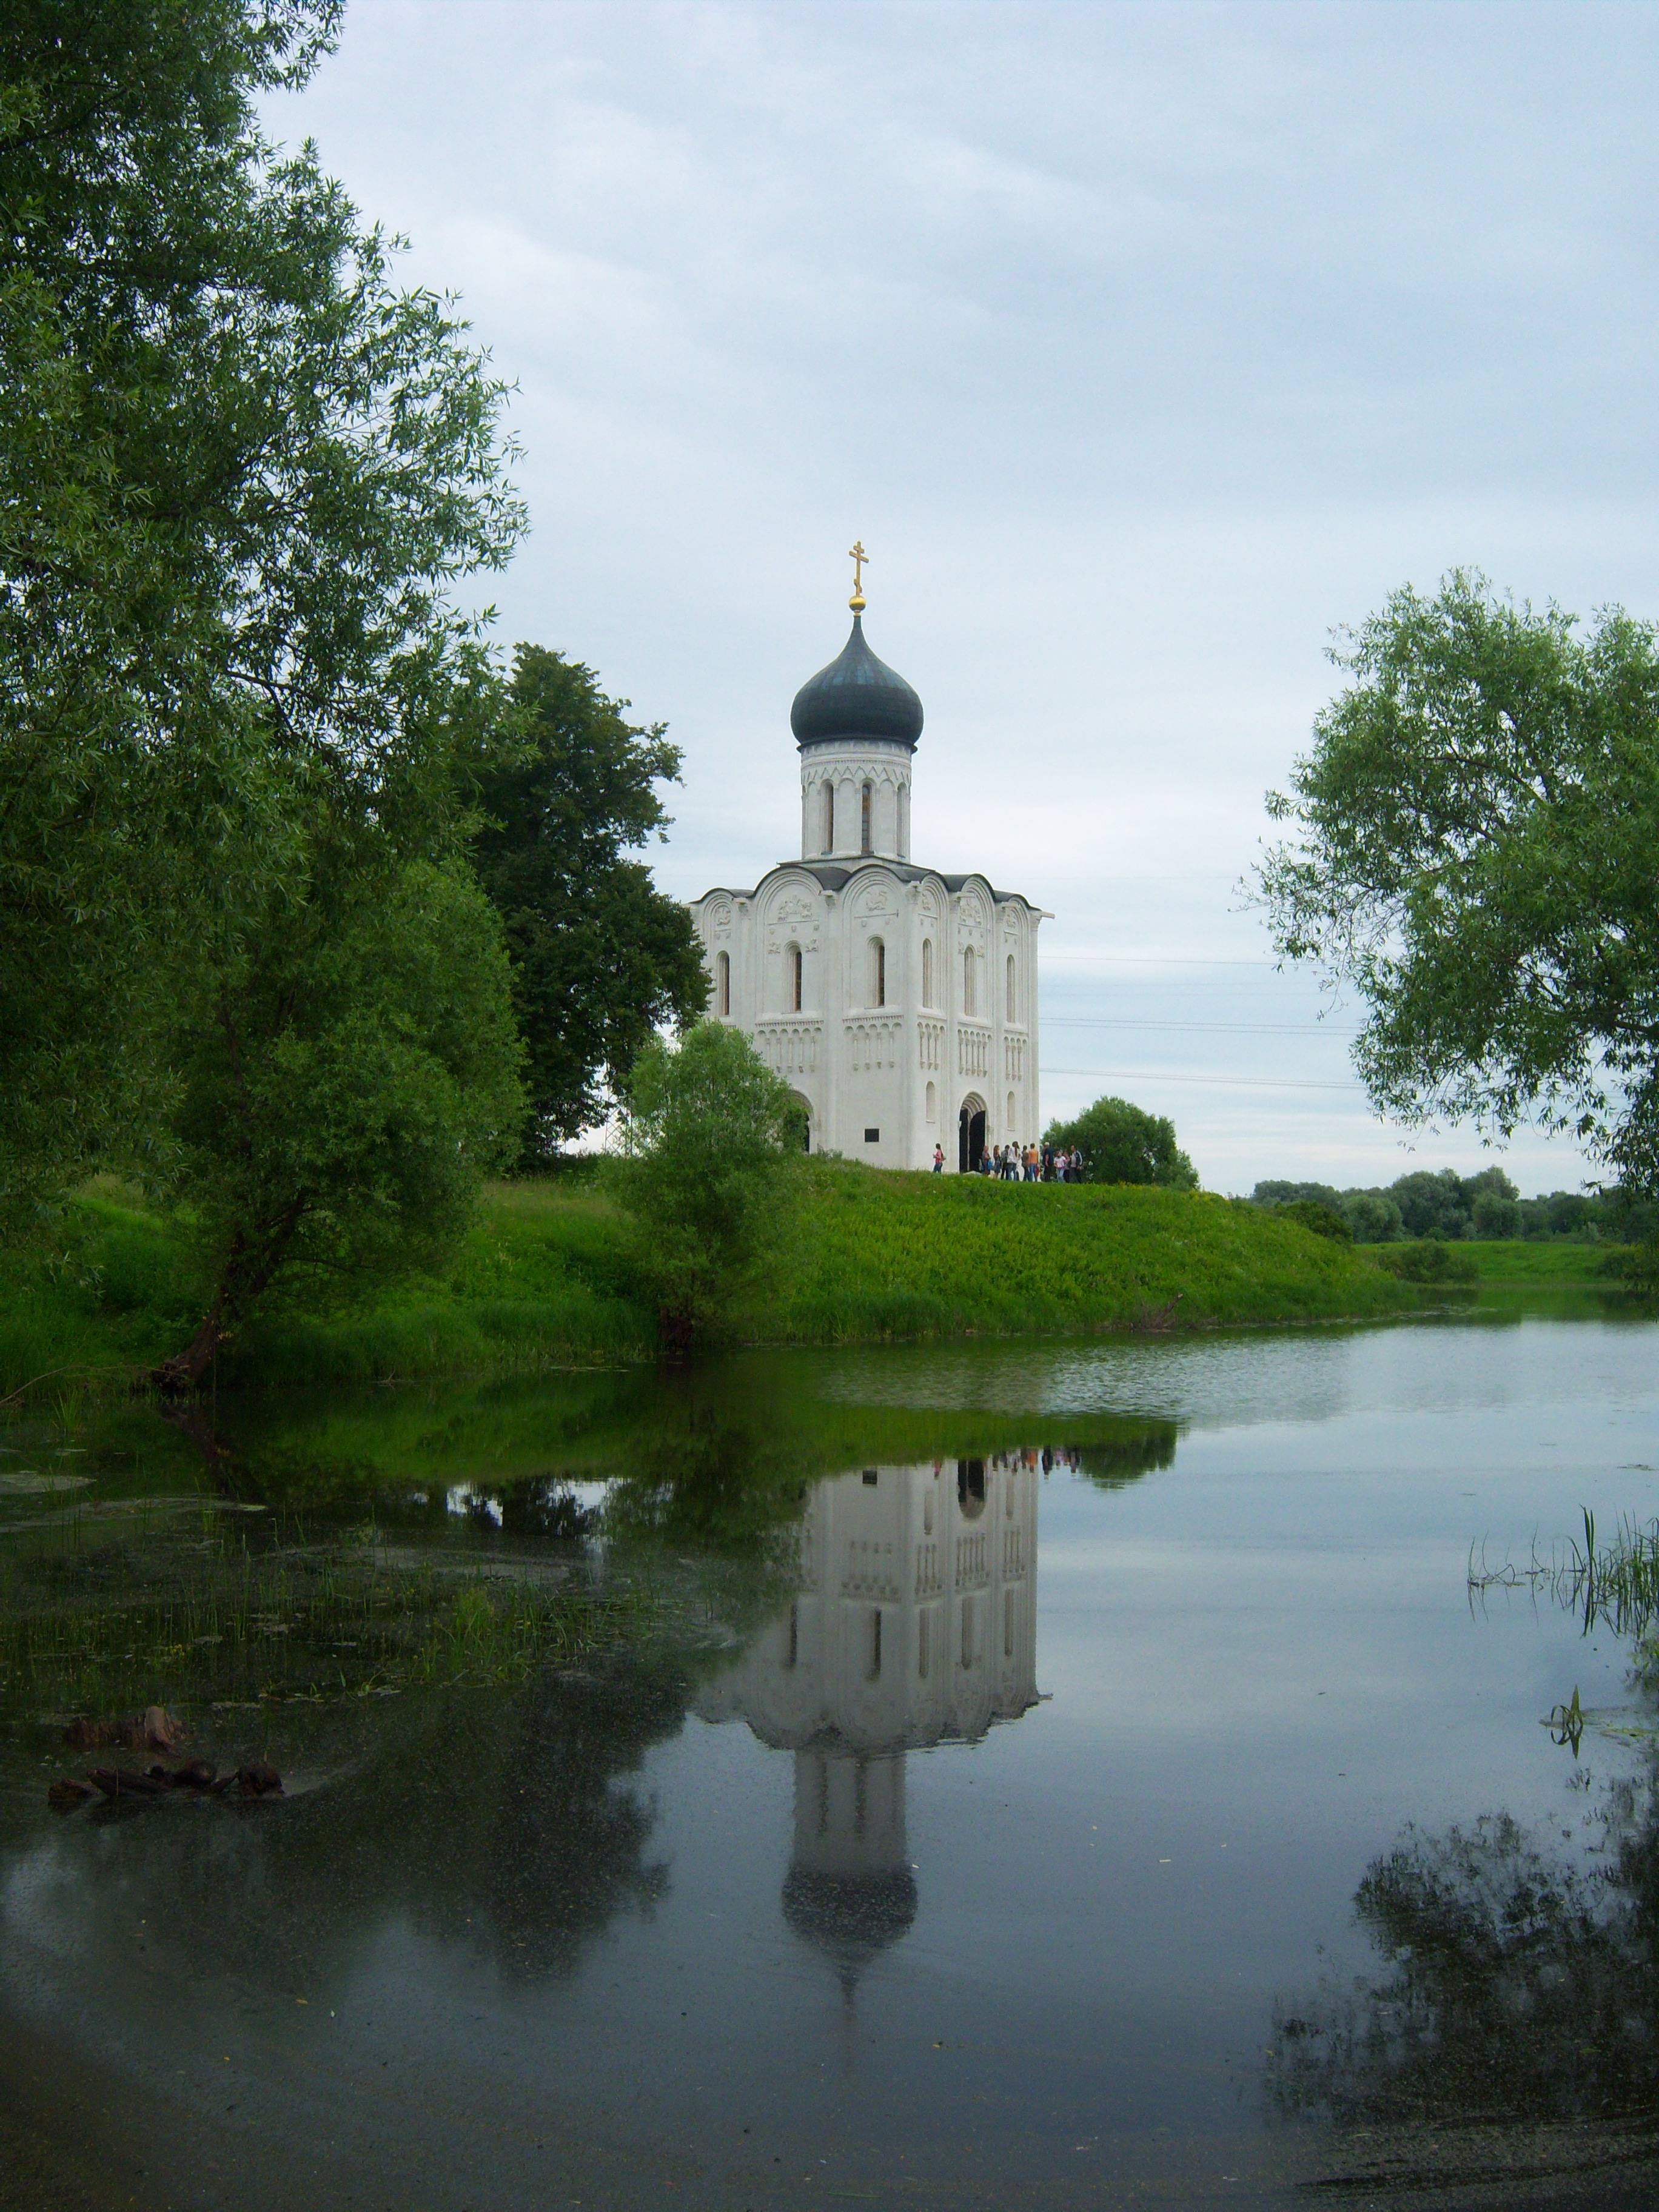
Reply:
x=1023, y=1162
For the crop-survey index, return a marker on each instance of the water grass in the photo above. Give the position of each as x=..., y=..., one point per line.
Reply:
x=1610, y=1582
x=198, y=1617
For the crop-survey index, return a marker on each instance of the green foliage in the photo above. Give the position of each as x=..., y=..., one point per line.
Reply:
x=1472, y=853
x=1323, y=1220
x=1120, y=1143
x=345, y=1090
x=600, y=956
x=1372, y=1218
x=1486, y=1206
x=1430, y=1260
x=240, y=472
x=710, y=1176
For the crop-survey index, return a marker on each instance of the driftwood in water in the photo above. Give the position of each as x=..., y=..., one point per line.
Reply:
x=122, y=1781
x=258, y=1779
x=154, y=1730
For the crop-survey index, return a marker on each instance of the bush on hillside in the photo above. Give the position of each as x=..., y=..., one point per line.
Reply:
x=708, y=1178
x=1430, y=1260
x=1120, y=1143
x=1323, y=1220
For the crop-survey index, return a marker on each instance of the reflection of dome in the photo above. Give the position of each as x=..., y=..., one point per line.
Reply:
x=856, y=696
x=851, y=1917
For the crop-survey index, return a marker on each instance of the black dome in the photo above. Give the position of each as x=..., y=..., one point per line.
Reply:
x=856, y=696
x=850, y=1917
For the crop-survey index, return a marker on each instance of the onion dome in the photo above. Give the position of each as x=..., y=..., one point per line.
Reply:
x=850, y=1917
x=856, y=696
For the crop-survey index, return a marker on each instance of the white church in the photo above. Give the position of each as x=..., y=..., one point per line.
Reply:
x=899, y=1003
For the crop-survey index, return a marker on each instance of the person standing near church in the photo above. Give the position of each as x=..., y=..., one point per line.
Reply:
x=939, y=1159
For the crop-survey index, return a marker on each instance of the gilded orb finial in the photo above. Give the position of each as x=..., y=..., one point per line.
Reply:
x=858, y=556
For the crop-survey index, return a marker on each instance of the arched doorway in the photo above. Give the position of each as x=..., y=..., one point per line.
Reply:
x=800, y=1120
x=970, y=1134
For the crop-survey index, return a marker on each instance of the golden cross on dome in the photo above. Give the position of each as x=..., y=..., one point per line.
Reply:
x=858, y=556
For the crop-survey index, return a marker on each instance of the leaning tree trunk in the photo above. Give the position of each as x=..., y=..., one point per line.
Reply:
x=249, y=1266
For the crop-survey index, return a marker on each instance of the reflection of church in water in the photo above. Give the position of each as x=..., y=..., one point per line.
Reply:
x=914, y=1623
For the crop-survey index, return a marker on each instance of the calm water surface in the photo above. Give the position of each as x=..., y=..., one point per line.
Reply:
x=1076, y=1777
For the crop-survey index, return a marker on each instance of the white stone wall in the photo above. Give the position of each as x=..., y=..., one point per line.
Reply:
x=860, y=1064
x=833, y=779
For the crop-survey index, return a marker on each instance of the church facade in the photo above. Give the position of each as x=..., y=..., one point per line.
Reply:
x=899, y=1003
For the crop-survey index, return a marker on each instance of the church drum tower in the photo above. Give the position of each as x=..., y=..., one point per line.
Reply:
x=898, y=1003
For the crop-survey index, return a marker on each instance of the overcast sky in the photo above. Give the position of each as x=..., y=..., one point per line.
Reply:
x=1142, y=346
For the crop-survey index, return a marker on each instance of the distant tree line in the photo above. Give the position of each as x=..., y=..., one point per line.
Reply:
x=1443, y=1206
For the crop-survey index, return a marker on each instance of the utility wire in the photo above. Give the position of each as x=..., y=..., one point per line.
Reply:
x=1235, y=1029
x=1152, y=960
x=1224, y=1082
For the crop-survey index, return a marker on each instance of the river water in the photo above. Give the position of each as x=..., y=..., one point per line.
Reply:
x=1071, y=1776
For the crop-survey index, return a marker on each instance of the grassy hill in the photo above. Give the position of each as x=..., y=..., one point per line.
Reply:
x=543, y=1281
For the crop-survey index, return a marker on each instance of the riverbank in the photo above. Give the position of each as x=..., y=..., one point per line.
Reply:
x=543, y=1281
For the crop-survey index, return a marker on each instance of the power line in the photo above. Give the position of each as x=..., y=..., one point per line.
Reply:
x=1152, y=960
x=1224, y=1082
x=1235, y=1029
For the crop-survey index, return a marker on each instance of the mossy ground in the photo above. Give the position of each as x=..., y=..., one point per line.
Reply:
x=543, y=1280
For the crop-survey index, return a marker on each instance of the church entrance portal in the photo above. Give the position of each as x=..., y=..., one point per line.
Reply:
x=970, y=1136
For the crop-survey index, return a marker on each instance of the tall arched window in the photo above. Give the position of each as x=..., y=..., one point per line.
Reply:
x=794, y=978
x=723, y=985
x=864, y=820
x=926, y=971
x=878, y=972
x=1011, y=1113
x=933, y=1102
x=968, y=991
x=829, y=817
x=1012, y=1013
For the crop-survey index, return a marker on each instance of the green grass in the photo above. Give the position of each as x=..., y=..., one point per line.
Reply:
x=1513, y=1261
x=882, y=1253
x=542, y=1282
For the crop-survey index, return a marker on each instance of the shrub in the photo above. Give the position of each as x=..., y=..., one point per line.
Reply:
x=1120, y=1143
x=1428, y=1260
x=1323, y=1220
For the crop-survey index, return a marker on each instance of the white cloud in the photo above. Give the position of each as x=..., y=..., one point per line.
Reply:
x=1142, y=344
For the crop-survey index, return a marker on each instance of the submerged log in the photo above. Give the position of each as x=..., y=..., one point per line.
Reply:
x=123, y=1782
x=260, y=1779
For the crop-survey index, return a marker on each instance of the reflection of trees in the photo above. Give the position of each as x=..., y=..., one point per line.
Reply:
x=1522, y=1988
x=504, y=1820
x=1140, y=1450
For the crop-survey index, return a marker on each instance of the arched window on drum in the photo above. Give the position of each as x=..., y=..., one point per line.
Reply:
x=829, y=817
x=865, y=799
